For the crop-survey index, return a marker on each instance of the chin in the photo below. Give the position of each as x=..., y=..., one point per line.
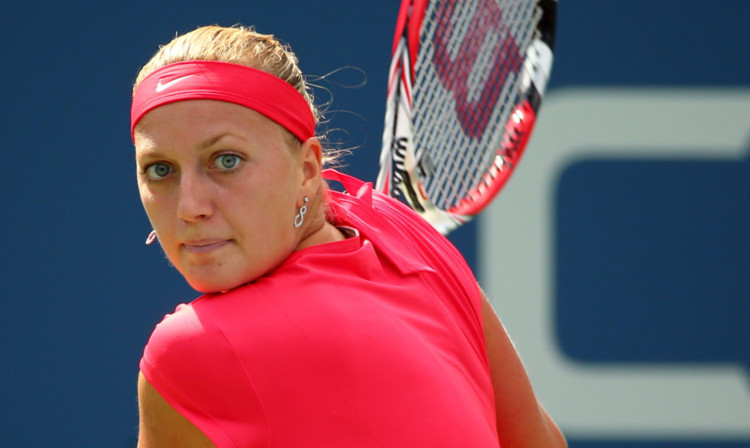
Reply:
x=219, y=280
x=210, y=283
x=209, y=287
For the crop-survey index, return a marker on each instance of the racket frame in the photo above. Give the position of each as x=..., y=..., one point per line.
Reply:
x=402, y=165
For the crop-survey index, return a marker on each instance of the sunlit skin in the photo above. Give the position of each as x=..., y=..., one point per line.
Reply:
x=221, y=185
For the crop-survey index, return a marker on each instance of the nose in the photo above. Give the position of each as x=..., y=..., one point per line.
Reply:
x=194, y=202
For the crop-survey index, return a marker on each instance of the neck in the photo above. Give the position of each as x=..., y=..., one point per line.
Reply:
x=320, y=232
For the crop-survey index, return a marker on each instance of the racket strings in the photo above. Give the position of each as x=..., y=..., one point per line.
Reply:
x=465, y=90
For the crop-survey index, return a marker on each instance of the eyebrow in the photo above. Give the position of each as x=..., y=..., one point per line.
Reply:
x=153, y=152
x=213, y=140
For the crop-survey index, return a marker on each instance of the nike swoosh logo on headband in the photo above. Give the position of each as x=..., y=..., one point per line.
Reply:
x=160, y=87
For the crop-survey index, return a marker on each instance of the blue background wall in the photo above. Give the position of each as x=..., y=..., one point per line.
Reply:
x=81, y=293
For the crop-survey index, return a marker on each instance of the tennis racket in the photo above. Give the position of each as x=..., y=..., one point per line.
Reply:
x=465, y=85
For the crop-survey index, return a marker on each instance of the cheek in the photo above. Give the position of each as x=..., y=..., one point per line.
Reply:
x=269, y=222
x=280, y=199
x=149, y=204
x=157, y=210
x=267, y=214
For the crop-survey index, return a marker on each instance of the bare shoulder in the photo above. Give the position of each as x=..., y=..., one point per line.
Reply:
x=161, y=425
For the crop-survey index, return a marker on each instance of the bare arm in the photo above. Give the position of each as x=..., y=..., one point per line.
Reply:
x=161, y=425
x=521, y=419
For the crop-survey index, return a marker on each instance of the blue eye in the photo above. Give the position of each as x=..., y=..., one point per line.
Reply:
x=227, y=161
x=158, y=171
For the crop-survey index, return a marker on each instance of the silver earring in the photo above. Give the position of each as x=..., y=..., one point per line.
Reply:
x=151, y=237
x=300, y=218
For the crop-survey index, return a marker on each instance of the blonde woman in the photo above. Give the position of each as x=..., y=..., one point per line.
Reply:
x=328, y=319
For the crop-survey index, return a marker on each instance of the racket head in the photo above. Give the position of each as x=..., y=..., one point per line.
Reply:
x=466, y=82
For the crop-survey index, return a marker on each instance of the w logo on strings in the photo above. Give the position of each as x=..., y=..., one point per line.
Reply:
x=459, y=39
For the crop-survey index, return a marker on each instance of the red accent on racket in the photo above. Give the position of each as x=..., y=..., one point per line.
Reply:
x=466, y=81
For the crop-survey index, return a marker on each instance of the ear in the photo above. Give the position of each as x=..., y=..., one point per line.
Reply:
x=311, y=157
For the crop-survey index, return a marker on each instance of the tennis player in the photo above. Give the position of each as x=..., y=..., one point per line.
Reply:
x=328, y=319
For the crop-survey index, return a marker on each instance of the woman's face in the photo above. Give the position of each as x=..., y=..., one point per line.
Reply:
x=221, y=187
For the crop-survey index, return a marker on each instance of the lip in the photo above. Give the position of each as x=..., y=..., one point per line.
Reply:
x=204, y=246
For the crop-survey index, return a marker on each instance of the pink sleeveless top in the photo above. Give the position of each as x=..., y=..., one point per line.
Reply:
x=375, y=341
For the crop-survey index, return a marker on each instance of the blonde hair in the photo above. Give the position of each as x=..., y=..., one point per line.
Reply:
x=238, y=45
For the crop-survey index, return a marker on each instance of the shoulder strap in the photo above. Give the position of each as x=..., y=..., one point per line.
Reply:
x=353, y=186
x=379, y=220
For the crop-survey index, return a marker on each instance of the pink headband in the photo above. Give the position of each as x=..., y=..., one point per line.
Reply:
x=233, y=83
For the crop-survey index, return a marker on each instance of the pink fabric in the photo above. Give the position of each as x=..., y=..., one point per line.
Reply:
x=375, y=341
x=222, y=81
